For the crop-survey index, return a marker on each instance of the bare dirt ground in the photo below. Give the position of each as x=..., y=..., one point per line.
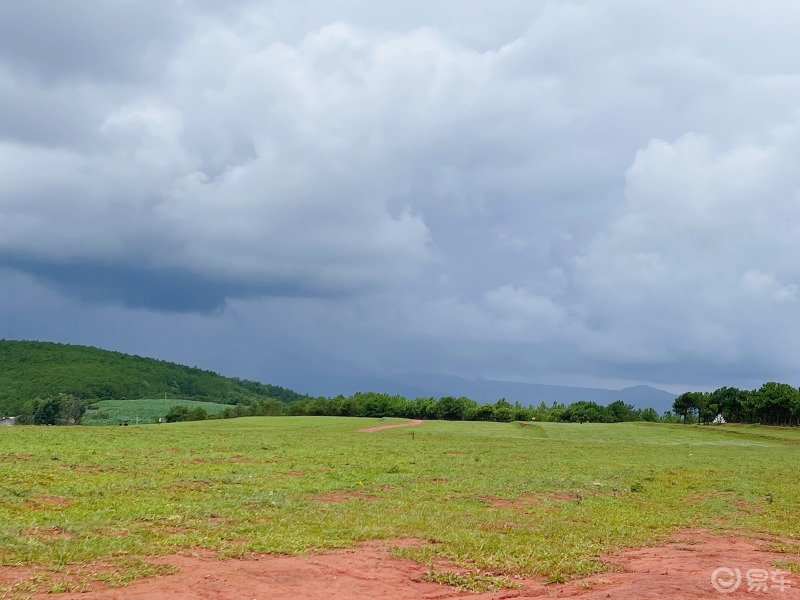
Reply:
x=684, y=568
x=680, y=569
x=412, y=423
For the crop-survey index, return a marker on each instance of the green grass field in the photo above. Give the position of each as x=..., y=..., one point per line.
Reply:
x=112, y=412
x=72, y=496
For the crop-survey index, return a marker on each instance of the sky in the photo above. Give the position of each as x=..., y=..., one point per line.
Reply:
x=573, y=192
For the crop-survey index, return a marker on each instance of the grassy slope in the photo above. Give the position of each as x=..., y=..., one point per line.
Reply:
x=40, y=369
x=252, y=484
x=148, y=410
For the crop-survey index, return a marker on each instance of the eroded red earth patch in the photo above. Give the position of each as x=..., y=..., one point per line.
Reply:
x=680, y=569
x=48, y=501
x=684, y=567
x=14, y=456
x=47, y=533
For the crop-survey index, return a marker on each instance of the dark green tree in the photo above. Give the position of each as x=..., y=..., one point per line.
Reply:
x=583, y=411
x=689, y=405
x=619, y=412
x=72, y=409
x=177, y=413
x=451, y=409
x=48, y=412
x=775, y=401
x=197, y=414
x=503, y=411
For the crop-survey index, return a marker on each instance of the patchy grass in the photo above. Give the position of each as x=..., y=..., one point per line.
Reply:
x=470, y=582
x=560, y=495
x=787, y=565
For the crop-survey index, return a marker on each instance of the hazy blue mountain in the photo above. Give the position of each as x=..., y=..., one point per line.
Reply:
x=486, y=390
x=414, y=385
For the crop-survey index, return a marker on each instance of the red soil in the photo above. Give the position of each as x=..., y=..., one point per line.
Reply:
x=680, y=569
x=412, y=423
x=48, y=501
x=684, y=568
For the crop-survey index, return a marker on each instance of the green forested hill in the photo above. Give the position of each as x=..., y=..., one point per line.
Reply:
x=31, y=370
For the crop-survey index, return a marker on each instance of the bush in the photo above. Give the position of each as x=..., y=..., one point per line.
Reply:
x=198, y=414
x=177, y=414
x=48, y=412
x=180, y=413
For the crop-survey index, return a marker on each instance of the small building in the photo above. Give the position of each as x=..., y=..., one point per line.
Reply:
x=8, y=421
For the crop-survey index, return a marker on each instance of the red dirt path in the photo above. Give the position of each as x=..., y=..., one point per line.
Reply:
x=413, y=423
x=681, y=569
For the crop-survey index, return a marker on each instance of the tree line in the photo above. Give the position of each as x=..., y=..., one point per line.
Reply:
x=256, y=408
x=62, y=409
x=771, y=404
x=451, y=408
x=66, y=409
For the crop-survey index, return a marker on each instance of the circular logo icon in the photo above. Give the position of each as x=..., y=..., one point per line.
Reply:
x=726, y=580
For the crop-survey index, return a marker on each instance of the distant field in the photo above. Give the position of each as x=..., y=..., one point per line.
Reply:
x=112, y=412
x=501, y=499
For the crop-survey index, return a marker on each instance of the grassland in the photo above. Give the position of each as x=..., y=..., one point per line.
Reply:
x=500, y=499
x=148, y=410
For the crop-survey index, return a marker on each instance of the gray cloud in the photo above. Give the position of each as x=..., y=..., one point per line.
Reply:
x=89, y=42
x=553, y=189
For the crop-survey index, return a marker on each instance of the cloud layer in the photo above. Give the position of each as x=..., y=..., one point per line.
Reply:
x=555, y=191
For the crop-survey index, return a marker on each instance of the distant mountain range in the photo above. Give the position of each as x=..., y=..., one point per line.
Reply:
x=40, y=369
x=416, y=385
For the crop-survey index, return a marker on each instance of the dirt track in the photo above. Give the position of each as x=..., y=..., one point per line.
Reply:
x=412, y=423
x=681, y=569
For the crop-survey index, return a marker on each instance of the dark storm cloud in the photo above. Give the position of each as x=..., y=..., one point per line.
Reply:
x=167, y=290
x=134, y=288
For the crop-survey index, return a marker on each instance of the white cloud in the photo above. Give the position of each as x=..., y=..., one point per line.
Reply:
x=704, y=252
x=603, y=187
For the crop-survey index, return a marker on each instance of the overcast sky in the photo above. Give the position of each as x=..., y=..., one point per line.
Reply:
x=586, y=192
